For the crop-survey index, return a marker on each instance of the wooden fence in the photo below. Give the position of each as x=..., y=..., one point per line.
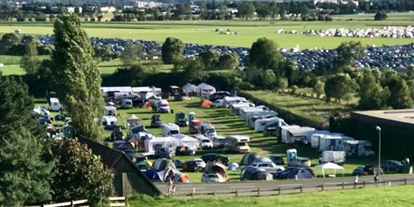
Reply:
x=114, y=202
x=299, y=188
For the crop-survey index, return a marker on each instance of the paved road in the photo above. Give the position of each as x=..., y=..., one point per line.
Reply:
x=270, y=185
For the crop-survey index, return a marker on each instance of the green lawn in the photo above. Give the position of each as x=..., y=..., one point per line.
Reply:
x=368, y=197
x=203, y=32
x=225, y=124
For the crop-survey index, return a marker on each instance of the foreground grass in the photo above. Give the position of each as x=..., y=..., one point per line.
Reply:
x=368, y=197
x=203, y=32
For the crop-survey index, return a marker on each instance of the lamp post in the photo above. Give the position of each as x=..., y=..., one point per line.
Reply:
x=379, y=150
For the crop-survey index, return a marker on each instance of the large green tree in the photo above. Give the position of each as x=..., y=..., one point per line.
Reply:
x=400, y=96
x=228, y=61
x=30, y=61
x=209, y=58
x=7, y=41
x=24, y=176
x=172, y=50
x=339, y=85
x=264, y=54
x=131, y=53
x=79, y=174
x=347, y=53
x=372, y=95
x=77, y=78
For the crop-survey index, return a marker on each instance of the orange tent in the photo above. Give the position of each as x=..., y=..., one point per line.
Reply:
x=184, y=177
x=206, y=104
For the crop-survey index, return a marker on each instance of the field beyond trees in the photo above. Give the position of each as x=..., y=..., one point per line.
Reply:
x=203, y=32
x=368, y=197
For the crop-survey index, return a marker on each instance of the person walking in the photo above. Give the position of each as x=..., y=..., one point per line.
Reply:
x=170, y=185
x=355, y=181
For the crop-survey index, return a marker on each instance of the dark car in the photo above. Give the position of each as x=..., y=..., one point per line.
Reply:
x=365, y=170
x=214, y=157
x=163, y=153
x=277, y=159
x=392, y=166
x=190, y=166
x=184, y=150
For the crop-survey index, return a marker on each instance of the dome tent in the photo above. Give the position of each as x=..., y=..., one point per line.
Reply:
x=299, y=173
x=163, y=163
x=262, y=160
x=253, y=173
x=248, y=158
x=218, y=169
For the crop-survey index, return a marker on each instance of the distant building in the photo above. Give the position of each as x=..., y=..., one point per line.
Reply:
x=326, y=1
x=73, y=9
x=108, y=9
x=147, y=4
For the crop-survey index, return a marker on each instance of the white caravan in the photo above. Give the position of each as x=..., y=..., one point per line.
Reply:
x=243, y=112
x=232, y=99
x=310, y=134
x=358, y=148
x=110, y=111
x=109, y=120
x=316, y=137
x=126, y=103
x=332, y=143
x=285, y=133
x=169, y=129
x=262, y=113
x=235, y=108
x=54, y=104
x=252, y=120
x=337, y=157
x=260, y=124
x=298, y=134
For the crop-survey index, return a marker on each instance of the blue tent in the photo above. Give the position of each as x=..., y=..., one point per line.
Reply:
x=300, y=173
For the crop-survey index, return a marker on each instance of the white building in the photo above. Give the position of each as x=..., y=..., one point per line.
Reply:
x=146, y=4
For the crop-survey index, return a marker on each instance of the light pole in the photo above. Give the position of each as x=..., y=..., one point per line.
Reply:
x=379, y=150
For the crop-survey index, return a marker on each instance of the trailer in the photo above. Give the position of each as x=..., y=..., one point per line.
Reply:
x=252, y=120
x=331, y=143
x=235, y=108
x=260, y=113
x=295, y=135
x=315, y=138
x=284, y=131
x=260, y=124
x=358, y=148
x=243, y=112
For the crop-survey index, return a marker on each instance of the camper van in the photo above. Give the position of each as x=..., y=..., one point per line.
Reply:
x=126, y=103
x=170, y=129
x=337, y=157
x=110, y=111
x=284, y=131
x=207, y=130
x=358, y=148
x=329, y=142
x=260, y=124
x=237, y=143
x=235, y=108
x=54, y=104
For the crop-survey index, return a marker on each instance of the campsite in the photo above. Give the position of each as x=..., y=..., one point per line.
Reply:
x=225, y=124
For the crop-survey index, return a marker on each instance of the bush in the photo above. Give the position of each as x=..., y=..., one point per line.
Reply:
x=328, y=18
x=294, y=89
x=380, y=16
x=246, y=86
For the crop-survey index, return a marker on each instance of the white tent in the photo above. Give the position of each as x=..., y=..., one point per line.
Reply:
x=330, y=166
x=204, y=88
x=185, y=140
x=166, y=142
x=121, y=89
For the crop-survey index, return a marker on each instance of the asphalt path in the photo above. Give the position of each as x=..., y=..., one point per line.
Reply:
x=271, y=185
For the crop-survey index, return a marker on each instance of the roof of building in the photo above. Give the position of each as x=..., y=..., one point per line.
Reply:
x=108, y=156
x=400, y=118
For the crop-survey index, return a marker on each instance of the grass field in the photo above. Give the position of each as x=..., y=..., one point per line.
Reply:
x=368, y=197
x=12, y=65
x=225, y=124
x=203, y=32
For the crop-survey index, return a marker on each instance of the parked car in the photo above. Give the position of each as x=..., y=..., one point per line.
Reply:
x=218, y=142
x=365, y=170
x=163, y=153
x=269, y=167
x=200, y=163
x=183, y=150
x=392, y=166
x=277, y=159
x=210, y=178
x=214, y=157
x=218, y=103
x=162, y=106
x=190, y=166
x=178, y=164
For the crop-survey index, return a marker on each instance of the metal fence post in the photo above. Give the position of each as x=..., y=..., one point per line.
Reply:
x=343, y=185
x=258, y=192
x=384, y=183
x=71, y=204
x=323, y=187
x=214, y=193
x=280, y=190
x=363, y=184
x=301, y=189
x=237, y=193
x=405, y=181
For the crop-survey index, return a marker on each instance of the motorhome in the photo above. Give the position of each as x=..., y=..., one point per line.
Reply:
x=258, y=113
x=237, y=143
x=329, y=142
x=170, y=129
x=110, y=111
x=252, y=119
x=358, y=148
x=312, y=133
x=243, y=112
x=235, y=108
x=207, y=130
x=262, y=114
x=54, y=104
x=260, y=124
x=232, y=99
x=126, y=103
x=284, y=133
x=337, y=157
x=298, y=135
x=315, y=138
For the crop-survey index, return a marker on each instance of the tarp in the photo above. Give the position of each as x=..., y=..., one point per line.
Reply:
x=329, y=166
x=206, y=104
x=163, y=164
x=248, y=158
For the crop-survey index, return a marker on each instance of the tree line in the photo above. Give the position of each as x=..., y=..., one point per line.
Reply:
x=212, y=10
x=35, y=170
